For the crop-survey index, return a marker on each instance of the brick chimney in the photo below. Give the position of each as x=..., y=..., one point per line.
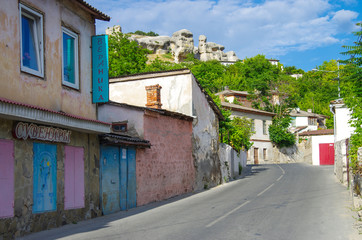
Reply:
x=154, y=96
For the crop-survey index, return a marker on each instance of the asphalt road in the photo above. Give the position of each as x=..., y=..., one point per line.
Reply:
x=285, y=201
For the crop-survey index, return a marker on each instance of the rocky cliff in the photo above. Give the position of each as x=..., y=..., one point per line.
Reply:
x=180, y=44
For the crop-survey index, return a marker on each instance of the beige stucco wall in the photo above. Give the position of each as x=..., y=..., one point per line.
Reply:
x=176, y=92
x=48, y=91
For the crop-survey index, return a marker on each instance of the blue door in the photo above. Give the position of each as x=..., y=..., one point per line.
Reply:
x=118, y=178
x=45, y=177
x=131, y=186
x=110, y=179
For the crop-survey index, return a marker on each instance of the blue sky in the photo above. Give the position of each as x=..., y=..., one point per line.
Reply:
x=301, y=33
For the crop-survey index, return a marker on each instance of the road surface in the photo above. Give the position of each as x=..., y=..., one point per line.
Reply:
x=272, y=202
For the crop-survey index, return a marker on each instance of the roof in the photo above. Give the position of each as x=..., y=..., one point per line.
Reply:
x=317, y=132
x=229, y=92
x=240, y=108
x=301, y=113
x=21, y=111
x=110, y=138
x=160, y=111
x=337, y=101
x=184, y=71
x=95, y=12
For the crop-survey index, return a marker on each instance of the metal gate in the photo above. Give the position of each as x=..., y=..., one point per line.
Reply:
x=118, y=178
x=326, y=153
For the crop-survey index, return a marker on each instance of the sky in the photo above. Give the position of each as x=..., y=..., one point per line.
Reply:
x=300, y=33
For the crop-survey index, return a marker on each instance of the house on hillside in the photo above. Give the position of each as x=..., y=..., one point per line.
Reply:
x=342, y=132
x=49, y=146
x=179, y=91
x=152, y=148
x=303, y=121
x=240, y=106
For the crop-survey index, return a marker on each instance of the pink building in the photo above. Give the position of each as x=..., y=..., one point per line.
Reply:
x=164, y=166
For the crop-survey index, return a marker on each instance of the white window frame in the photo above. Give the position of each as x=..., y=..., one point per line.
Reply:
x=76, y=64
x=38, y=38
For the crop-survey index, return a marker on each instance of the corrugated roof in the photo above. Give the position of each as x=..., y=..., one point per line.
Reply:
x=317, y=132
x=4, y=100
x=95, y=12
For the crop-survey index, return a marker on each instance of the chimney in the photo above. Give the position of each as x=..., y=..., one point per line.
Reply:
x=309, y=110
x=154, y=96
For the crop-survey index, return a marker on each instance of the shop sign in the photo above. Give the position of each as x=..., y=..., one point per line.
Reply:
x=100, y=68
x=33, y=131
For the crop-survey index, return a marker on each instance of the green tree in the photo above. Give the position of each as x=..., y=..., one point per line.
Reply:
x=125, y=56
x=352, y=95
x=278, y=132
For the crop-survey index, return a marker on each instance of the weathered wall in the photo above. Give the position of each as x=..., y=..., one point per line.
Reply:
x=24, y=221
x=340, y=161
x=176, y=92
x=26, y=88
x=229, y=161
x=167, y=168
x=287, y=154
x=205, y=141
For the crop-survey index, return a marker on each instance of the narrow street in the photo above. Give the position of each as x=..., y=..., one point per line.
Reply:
x=281, y=202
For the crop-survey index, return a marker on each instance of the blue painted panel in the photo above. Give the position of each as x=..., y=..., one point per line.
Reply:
x=100, y=68
x=123, y=178
x=45, y=177
x=132, y=184
x=110, y=179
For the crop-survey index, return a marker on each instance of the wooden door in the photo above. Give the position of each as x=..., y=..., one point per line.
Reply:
x=256, y=155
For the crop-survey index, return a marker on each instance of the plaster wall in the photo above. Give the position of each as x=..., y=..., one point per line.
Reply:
x=135, y=121
x=316, y=140
x=176, y=92
x=230, y=160
x=205, y=139
x=261, y=146
x=258, y=124
x=47, y=91
x=342, y=128
x=167, y=168
x=24, y=221
x=340, y=161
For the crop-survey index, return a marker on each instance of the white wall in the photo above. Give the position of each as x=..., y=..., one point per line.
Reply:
x=230, y=161
x=176, y=92
x=111, y=113
x=342, y=128
x=316, y=140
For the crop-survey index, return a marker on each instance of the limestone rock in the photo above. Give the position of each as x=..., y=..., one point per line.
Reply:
x=182, y=43
x=113, y=29
x=158, y=44
x=213, y=51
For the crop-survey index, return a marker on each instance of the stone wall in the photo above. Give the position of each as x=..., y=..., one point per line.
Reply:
x=167, y=168
x=293, y=154
x=24, y=221
x=230, y=161
x=340, y=162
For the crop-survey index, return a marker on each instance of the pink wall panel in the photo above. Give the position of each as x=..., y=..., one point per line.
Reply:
x=6, y=178
x=73, y=177
x=167, y=168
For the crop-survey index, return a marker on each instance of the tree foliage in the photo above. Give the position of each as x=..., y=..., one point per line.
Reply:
x=125, y=56
x=150, y=33
x=352, y=94
x=278, y=132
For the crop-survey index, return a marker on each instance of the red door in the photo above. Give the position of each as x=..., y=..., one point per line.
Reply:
x=326, y=153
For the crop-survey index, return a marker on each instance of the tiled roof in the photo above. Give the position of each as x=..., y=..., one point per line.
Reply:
x=125, y=140
x=95, y=12
x=232, y=92
x=317, y=132
x=240, y=108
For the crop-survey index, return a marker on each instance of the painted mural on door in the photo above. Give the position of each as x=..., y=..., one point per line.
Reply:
x=118, y=178
x=45, y=177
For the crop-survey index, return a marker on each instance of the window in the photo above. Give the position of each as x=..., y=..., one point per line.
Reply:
x=312, y=121
x=70, y=76
x=31, y=27
x=294, y=121
x=264, y=127
x=252, y=125
x=119, y=127
x=264, y=153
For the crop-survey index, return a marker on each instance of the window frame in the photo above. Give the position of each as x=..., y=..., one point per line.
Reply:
x=76, y=58
x=264, y=128
x=38, y=39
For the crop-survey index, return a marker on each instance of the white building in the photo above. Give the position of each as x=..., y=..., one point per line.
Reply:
x=306, y=120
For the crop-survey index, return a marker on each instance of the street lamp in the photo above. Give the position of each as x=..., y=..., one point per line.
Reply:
x=339, y=89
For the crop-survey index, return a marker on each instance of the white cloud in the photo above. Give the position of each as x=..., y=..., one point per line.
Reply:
x=272, y=27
